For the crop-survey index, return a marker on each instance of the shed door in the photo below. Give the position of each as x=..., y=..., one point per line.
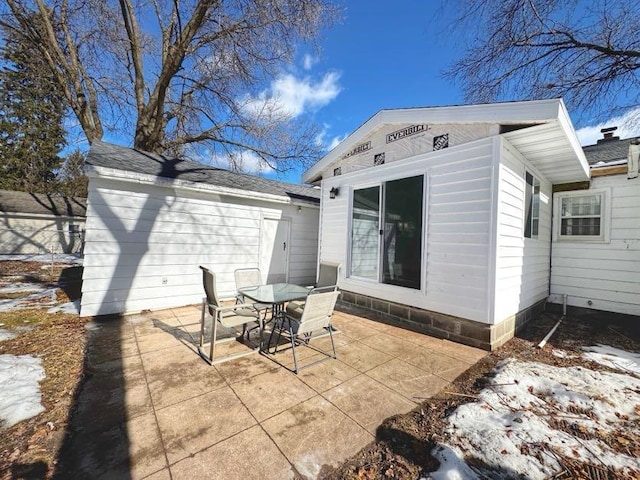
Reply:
x=274, y=250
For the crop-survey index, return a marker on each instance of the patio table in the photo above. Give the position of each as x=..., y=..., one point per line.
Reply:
x=276, y=294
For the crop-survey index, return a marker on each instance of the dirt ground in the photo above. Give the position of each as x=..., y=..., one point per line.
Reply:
x=28, y=450
x=402, y=451
x=404, y=442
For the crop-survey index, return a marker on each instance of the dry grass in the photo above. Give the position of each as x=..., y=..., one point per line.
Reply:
x=59, y=340
x=29, y=449
x=404, y=442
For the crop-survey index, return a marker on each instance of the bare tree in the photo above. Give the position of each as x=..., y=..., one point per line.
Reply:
x=176, y=73
x=585, y=51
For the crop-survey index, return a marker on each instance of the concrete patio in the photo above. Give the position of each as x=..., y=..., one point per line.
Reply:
x=150, y=407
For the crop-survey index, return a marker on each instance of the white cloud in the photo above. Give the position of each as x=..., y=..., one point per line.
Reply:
x=335, y=141
x=309, y=61
x=628, y=126
x=291, y=96
x=328, y=144
x=244, y=160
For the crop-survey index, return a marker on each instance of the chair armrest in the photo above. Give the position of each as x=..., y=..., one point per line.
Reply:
x=231, y=307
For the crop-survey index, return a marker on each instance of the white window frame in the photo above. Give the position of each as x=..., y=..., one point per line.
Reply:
x=381, y=209
x=605, y=216
x=535, y=198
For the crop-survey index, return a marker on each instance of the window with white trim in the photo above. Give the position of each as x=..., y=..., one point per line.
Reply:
x=532, y=206
x=583, y=216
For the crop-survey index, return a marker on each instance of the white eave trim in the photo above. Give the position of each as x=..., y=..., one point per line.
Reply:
x=565, y=123
x=536, y=111
x=147, y=179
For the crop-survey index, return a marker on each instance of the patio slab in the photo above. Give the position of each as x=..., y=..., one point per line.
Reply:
x=316, y=433
x=152, y=408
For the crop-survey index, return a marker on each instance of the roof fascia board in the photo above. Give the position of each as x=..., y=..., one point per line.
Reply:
x=536, y=111
x=146, y=179
x=567, y=127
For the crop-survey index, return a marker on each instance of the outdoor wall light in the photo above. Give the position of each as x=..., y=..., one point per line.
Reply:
x=333, y=193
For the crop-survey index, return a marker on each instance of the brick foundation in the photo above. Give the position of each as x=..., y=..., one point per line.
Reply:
x=468, y=332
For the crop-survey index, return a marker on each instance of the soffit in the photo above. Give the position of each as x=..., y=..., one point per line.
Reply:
x=553, y=150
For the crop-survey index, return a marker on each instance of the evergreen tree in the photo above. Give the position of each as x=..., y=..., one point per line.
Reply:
x=72, y=182
x=31, y=119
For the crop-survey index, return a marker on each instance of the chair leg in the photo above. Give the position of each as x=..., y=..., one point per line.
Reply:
x=204, y=306
x=333, y=346
x=293, y=349
x=214, y=332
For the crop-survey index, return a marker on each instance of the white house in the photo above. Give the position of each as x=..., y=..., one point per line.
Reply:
x=596, y=238
x=152, y=220
x=442, y=217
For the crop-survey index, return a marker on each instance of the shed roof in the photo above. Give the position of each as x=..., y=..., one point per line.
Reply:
x=607, y=151
x=42, y=204
x=108, y=155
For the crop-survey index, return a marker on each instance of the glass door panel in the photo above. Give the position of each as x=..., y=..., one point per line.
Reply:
x=402, y=252
x=365, y=232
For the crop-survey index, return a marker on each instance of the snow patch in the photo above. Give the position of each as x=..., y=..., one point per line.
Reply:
x=6, y=335
x=19, y=384
x=69, y=307
x=18, y=287
x=514, y=424
x=613, y=358
x=42, y=298
x=71, y=258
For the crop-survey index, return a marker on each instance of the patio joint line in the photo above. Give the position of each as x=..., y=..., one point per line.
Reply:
x=384, y=385
x=345, y=413
x=153, y=406
x=193, y=454
x=394, y=391
x=259, y=423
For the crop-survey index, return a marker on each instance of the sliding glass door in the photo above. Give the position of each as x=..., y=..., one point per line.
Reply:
x=386, y=241
x=402, y=250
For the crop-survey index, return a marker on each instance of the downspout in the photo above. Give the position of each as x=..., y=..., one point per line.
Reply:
x=555, y=327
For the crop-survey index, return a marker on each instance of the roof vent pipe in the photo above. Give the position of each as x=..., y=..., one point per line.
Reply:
x=555, y=327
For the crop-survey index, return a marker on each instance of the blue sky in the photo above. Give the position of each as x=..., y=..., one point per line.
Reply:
x=383, y=55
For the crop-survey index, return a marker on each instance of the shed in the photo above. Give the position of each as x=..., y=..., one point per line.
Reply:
x=37, y=223
x=442, y=215
x=152, y=220
x=596, y=233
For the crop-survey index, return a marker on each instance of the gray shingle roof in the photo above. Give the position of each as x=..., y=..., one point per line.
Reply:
x=108, y=155
x=607, y=151
x=42, y=204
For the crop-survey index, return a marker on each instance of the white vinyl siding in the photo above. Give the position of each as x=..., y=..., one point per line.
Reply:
x=603, y=275
x=144, y=244
x=522, y=264
x=38, y=234
x=457, y=227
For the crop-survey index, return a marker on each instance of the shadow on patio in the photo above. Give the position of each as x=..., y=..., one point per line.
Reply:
x=150, y=407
